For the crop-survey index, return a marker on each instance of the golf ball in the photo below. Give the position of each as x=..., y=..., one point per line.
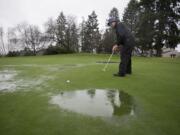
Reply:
x=68, y=81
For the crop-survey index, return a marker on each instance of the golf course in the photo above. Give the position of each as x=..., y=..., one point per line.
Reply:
x=33, y=91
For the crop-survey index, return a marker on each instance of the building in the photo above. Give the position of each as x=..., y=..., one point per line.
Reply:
x=167, y=52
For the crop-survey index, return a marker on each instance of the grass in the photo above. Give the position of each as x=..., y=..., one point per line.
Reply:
x=154, y=86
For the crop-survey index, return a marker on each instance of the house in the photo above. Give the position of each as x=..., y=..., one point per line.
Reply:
x=167, y=52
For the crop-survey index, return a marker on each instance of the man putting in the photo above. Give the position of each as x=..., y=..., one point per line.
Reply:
x=125, y=43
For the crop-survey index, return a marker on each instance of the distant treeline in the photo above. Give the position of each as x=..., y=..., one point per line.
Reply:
x=154, y=24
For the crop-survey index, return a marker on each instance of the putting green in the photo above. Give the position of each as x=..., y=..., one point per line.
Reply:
x=28, y=85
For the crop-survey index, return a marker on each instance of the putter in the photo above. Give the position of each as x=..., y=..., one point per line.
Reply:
x=104, y=69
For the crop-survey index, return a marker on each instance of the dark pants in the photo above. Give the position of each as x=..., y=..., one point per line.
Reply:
x=125, y=64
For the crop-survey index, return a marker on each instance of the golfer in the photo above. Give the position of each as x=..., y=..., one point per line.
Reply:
x=125, y=43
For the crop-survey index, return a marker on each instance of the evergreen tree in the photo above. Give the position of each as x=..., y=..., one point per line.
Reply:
x=71, y=35
x=108, y=40
x=158, y=25
x=145, y=26
x=74, y=38
x=114, y=13
x=82, y=35
x=166, y=29
x=61, y=28
x=130, y=17
x=50, y=31
x=109, y=36
x=91, y=34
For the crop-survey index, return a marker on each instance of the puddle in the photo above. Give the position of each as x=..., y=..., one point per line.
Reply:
x=6, y=80
x=7, y=75
x=53, y=67
x=10, y=83
x=46, y=65
x=10, y=80
x=106, y=103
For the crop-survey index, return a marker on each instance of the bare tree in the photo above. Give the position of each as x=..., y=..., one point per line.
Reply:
x=34, y=38
x=24, y=34
x=30, y=36
x=26, y=37
x=13, y=39
x=2, y=45
x=50, y=32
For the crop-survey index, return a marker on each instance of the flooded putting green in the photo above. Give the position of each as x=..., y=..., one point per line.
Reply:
x=98, y=102
x=9, y=81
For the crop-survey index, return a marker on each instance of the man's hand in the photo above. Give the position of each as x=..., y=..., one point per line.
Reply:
x=115, y=48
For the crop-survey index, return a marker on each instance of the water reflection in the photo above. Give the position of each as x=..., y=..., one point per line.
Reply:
x=96, y=102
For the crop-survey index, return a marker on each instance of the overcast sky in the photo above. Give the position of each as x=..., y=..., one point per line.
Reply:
x=37, y=12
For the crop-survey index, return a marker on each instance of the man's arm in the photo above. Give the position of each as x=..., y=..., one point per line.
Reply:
x=116, y=48
x=120, y=35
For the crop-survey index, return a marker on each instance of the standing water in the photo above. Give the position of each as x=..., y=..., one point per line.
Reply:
x=98, y=102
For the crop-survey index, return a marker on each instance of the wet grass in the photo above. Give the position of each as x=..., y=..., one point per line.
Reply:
x=154, y=86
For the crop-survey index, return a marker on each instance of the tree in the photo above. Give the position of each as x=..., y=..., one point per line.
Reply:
x=21, y=34
x=108, y=40
x=158, y=25
x=28, y=37
x=109, y=36
x=96, y=36
x=2, y=45
x=130, y=17
x=145, y=26
x=166, y=29
x=91, y=33
x=82, y=35
x=66, y=34
x=63, y=34
x=34, y=38
x=61, y=31
x=72, y=34
x=50, y=32
x=13, y=43
x=114, y=13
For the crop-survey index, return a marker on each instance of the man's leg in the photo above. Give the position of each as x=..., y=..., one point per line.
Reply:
x=129, y=65
x=124, y=62
x=129, y=68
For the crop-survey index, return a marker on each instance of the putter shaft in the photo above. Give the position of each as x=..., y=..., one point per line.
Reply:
x=104, y=69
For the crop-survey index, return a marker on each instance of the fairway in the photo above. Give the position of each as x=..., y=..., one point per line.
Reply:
x=28, y=85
